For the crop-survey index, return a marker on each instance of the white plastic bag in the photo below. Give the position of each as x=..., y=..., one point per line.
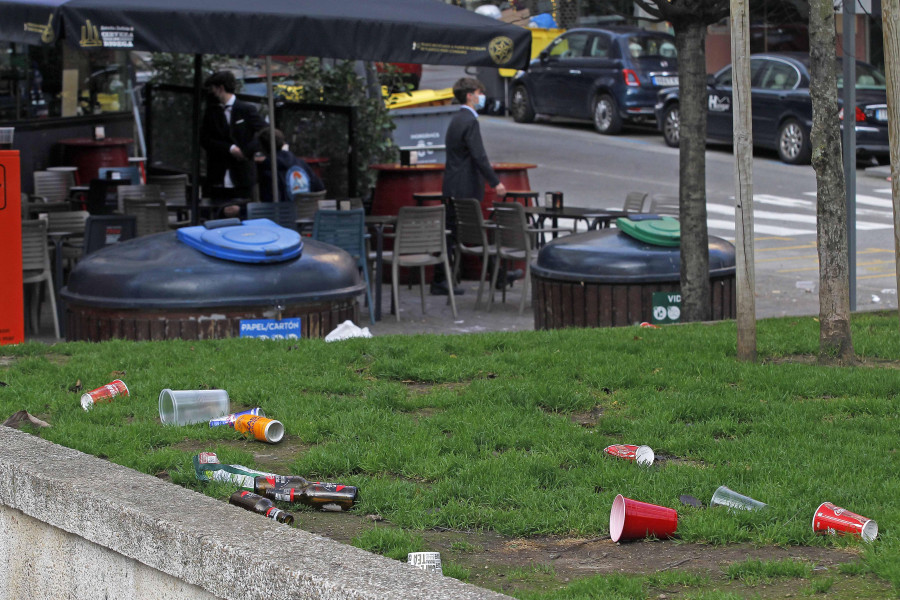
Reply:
x=347, y=330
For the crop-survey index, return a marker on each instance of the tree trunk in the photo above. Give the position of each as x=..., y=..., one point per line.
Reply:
x=695, y=301
x=745, y=271
x=834, y=293
x=891, y=22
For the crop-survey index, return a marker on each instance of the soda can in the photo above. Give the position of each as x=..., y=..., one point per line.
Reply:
x=230, y=419
x=833, y=520
x=643, y=455
x=263, y=429
x=104, y=393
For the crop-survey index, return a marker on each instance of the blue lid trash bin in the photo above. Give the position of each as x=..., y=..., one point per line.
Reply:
x=160, y=287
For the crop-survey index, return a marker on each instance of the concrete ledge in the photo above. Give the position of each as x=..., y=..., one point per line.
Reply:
x=92, y=527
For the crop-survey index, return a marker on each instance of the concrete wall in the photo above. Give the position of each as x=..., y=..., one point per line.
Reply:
x=75, y=526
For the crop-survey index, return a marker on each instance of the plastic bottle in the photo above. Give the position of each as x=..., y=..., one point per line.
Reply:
x=263, y=506
x=296, y=489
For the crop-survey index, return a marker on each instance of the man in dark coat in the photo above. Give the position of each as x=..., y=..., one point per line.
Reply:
x=466, y=166
x=228, y=134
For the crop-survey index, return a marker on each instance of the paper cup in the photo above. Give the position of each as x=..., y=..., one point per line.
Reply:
x=104, y=393
x=427, y=561
x=727, y=497
x=834, y=520
x=633, y=520
x=642, y=455
x=263, y=429
x=184, y=407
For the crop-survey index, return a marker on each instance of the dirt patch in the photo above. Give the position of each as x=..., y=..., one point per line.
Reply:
x=273, y=458
x=588, y=418
x=494, y=561
x=825, y=361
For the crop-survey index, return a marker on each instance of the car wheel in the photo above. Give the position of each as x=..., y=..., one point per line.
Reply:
x=521, y=108
x=606, y=115
x=671, y=127
x=793, y=143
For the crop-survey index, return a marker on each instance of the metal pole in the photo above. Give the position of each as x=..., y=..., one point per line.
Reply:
x=195, y=141
x=273, y=152
x=849, y=139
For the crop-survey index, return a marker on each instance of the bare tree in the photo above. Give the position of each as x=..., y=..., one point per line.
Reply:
x=891, y=20
x=831, y=223
x=689, y=19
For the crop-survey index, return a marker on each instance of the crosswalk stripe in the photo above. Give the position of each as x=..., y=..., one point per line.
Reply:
x=722, y=224
x=789, y=217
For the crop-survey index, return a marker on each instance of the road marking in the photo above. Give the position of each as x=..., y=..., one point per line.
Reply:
x=814, y=268
x=779, y=248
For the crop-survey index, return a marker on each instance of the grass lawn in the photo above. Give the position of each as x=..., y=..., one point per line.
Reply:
x=500, y=436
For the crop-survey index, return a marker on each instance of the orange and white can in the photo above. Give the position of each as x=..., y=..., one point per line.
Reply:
x=262, y=428
x=834, y=520
x=104, y=393
x=642, y=455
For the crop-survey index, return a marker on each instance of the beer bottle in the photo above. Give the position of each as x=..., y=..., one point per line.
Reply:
x=293, y=488
x=260, y=505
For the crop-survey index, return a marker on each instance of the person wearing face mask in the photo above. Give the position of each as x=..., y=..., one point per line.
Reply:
x=466, y=167
x=228, y=134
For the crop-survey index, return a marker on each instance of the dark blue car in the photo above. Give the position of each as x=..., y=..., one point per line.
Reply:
x=782, y=108
x=610, y=76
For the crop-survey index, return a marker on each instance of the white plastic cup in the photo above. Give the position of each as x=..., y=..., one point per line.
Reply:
x=724, y=496
x=184, y=407
x=427, y=561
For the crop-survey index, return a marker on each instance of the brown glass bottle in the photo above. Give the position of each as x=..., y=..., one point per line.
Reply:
x=261, y=505
x=293, y=488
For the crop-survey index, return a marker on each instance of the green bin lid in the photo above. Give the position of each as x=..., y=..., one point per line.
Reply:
x=661, y=231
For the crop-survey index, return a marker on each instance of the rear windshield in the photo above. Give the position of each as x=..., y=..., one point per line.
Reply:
x=645, y=46
x=867, y=77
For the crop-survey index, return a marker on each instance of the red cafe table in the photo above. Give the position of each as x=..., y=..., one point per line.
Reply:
x=396, y=185
x=89, y=155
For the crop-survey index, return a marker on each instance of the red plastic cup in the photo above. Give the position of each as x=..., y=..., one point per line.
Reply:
x=633, y=520
x=833, y=520
x=104, y=393
x=643, y=455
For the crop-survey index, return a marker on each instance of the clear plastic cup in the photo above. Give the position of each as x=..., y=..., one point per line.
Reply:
x=724, y=496
x=184, y=407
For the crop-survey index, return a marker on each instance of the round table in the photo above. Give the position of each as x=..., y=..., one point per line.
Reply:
x=89, y=154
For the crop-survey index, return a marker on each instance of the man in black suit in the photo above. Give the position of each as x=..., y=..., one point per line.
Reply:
x=466, y=166
x=228, y=134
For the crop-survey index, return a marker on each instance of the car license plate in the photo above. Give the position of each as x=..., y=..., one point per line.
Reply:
x=665, y=81
x=881, y=115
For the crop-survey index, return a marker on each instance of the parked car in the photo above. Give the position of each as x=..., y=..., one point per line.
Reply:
x=782, y=108
x=610, y=76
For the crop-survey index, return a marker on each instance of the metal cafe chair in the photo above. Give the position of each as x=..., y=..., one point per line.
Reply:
x=419, y=240
x=152, y=215
x=283, y=213
x=53, y=186
x=69, y=225
x=346, y=229
x=514, y=240
x=472, y=239
x=104, y=230
x=36, y=269
x=635, y=202
x=137, y=192
x=664, y=205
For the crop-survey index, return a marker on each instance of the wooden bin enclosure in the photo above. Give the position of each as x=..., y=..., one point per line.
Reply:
x=606, y=278
x=157, y=288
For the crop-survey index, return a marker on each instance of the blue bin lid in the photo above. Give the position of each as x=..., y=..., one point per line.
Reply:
x=251, y=241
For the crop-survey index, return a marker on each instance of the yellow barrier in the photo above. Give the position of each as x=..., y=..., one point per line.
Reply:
x=540, y=39
x=420, y=98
